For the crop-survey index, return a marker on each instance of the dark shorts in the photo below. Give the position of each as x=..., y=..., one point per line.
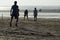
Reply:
x=35, y=15
x=25, y=14
x=14, y=15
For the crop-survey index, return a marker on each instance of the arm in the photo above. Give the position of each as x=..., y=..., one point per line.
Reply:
x=11, y=12
x=18, y=11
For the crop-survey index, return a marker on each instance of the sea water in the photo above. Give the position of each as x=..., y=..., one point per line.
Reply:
x=30, y=14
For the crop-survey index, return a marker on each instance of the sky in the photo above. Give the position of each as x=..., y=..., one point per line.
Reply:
x=6, y=4
x=30, y=2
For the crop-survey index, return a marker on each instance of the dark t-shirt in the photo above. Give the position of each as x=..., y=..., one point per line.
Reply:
x=26, y=12
x=15, y=10
x=35, y=12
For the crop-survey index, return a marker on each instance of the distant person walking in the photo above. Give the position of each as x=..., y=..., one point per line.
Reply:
x=35, y=14
x=14, y=12
x=26, y=14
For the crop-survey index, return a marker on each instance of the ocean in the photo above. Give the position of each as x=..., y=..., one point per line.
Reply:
x=30, y=14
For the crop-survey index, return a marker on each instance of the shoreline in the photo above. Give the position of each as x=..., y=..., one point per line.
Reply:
x=29, y=18
x=42, y=25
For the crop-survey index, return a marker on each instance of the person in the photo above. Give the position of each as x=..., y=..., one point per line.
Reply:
x=26, y=14
x=35, y=14
x=14, y=12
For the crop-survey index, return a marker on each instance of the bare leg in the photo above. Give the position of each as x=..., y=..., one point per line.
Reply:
x=11, y=21
x=24, y=17
x=27, y=17
x=34, y=18
x=16, y=22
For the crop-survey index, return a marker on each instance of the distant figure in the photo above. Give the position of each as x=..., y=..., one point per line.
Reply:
x=14, y=12
x=40, y=10
x=35, y=14
x=26, y=14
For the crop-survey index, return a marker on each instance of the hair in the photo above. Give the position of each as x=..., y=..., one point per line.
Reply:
x=15, y=2
x=35, y=8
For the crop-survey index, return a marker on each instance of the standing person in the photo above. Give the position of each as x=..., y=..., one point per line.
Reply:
x=26, y=14
x=14, y=12
x=35, y=14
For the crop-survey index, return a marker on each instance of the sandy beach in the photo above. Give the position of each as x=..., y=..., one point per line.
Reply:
x=42, y=29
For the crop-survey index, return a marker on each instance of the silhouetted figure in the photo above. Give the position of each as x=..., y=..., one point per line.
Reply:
x=26, y=14
x=35, y=14
x=40, y=10
x=14, y=12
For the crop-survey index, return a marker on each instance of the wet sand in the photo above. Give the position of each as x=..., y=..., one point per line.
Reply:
x=42, y=29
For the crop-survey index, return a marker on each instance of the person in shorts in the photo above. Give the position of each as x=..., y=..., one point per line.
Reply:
x=14, y=12
x=35, y=14
x=26, y=14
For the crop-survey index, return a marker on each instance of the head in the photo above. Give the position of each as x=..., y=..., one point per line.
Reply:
x=15, y=2
x=26, y=9
x=35, y=8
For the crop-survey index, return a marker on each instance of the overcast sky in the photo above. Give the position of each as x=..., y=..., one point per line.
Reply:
x=31, y=2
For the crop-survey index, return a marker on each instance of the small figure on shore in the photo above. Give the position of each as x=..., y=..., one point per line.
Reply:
x=26, y=14
x=40, y=10
x=35, y=14
x=14, y=12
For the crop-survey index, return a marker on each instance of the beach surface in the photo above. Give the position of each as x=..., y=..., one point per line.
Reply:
x=42, y=29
